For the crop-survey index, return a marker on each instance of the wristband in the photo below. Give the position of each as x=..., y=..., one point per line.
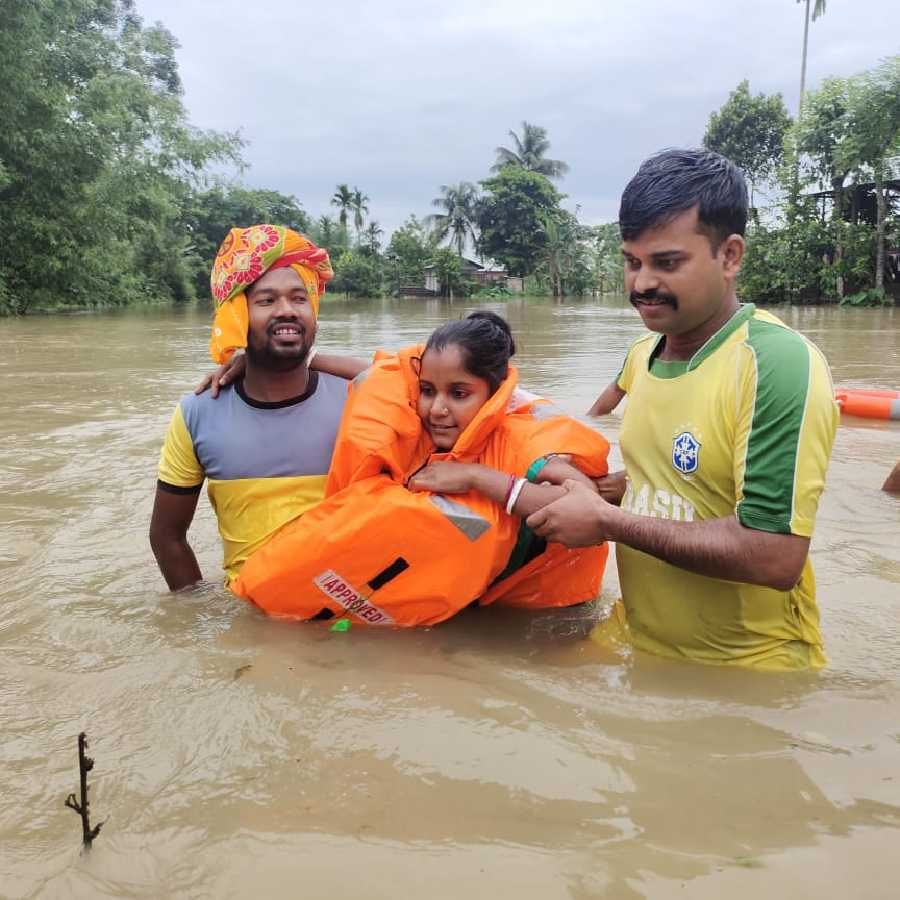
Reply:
x=310, y=356
x=514, y=496
x=536, y=467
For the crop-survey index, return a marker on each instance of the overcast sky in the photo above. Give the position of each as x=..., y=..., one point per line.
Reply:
x=401, y=96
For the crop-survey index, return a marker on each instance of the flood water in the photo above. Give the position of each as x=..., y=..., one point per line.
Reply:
x=500, y=754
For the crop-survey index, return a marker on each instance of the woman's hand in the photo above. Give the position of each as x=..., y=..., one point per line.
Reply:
x=611, y=487
x=444, y=478
x=224, y=375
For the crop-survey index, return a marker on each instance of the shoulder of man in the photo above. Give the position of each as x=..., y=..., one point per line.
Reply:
x=196, y=408
x=788, y=418
x=639, y=350
x=333, y=381
x=784, y=357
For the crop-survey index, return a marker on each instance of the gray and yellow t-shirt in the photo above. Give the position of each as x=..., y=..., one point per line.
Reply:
x=265, y=463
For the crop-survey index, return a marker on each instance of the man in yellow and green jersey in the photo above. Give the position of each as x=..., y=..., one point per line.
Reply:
x=726, y=438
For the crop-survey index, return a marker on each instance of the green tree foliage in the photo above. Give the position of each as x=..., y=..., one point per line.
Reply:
x=360, y=210
x=448, y=269
x=331, y=235
x=97, y=157
x=874, y=113
x=406, y=256
x=567, y=258
x=827, y=242
x=530, y=153
x=456, y=221
x=371, y=243
x=605, y=243
x=343, y=200
x=511, y=217
x=821, y=134
x=819, y=137
x=356, y=274
x=750, y=131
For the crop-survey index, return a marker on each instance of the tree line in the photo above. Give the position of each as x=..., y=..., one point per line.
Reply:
x=110, y=197
x=828, y=214
x=512, y=218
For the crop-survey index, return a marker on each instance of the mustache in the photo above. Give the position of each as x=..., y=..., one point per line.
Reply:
x=661, y=296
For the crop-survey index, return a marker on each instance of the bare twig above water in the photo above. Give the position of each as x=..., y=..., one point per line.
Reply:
x=85, y=764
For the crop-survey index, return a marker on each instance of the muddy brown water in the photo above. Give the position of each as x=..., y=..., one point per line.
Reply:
x=499, y=754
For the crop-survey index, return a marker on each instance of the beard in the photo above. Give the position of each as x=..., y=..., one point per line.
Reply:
x=267, y=355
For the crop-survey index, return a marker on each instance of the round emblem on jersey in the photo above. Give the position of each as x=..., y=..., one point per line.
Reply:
x=685, y=453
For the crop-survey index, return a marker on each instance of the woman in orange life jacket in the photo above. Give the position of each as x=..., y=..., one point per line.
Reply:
x=463, y=364
x=443, y=419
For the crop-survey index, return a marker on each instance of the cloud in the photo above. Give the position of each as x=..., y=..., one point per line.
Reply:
x=401, y=97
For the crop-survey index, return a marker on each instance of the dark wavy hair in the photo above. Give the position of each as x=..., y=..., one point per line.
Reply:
x=485, y=341
x=674, y=181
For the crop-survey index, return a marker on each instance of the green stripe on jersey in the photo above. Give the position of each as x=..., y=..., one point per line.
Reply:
x=668, y=368
x=744, y=312
x=782, y=385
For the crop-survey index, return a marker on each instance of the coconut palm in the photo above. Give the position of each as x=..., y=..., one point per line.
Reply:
x=818, y=9
x=360, y=204
x=372, y=234
x=529, y=152
x=457, y=219
x=343, y=200
x=325, y=226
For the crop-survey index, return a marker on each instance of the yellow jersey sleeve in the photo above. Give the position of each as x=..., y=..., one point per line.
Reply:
x=637, y=355
x=178, y=464
x=784, y=430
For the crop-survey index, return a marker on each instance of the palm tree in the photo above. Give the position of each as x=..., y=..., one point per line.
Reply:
x=818, y=10
x=529, y=152
x=343, y=199
x=372, y=233
x=325, y=225
x=360, y=204
x=457, y=221
x=564, y=248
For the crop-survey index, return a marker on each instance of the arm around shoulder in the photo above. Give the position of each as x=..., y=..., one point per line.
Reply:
x=343, y=366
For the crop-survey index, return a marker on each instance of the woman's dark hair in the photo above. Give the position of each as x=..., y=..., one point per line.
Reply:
x=485, y=341
x=674, y=181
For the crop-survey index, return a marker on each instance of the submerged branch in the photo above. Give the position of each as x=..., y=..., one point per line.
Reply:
x=85, y=764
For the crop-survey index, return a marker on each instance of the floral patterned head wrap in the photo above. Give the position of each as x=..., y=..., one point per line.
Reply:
x=247, y=254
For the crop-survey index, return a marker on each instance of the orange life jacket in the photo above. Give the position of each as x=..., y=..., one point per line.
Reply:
x=383, y=555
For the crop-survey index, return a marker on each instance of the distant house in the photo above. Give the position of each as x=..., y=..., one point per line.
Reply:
x=470, y=270
x=859, y=205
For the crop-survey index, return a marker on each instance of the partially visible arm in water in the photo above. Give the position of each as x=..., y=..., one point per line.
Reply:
x=343, y=366
x=608, y=400
x=892, y=484
x=172, y=516
x=459, y=478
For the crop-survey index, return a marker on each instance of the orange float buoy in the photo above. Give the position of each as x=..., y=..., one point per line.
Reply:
x=869, y=404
